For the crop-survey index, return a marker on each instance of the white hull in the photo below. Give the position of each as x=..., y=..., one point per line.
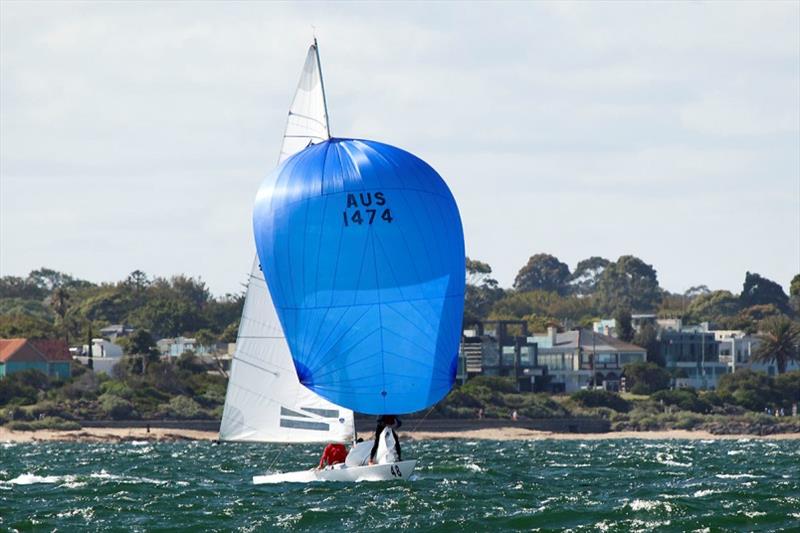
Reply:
x=383, y=472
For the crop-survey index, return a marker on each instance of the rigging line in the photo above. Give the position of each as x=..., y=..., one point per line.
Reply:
x=442, y=215
x=371, y=236
x=312, y=357
x=245, y=361
x=307, y=117
x=276, y=457
x=423, y=418
x=322, y=87
x=304, y=137
x=323, y=359
x=319, y=247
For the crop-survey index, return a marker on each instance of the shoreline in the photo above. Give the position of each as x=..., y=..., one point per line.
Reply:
x=98, y=434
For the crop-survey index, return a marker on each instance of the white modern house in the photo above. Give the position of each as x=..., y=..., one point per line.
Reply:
x=105, y=355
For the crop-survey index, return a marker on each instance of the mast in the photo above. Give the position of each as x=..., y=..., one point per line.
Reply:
x=322, y=85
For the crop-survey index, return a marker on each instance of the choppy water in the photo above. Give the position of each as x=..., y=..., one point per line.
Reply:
x=623, y=485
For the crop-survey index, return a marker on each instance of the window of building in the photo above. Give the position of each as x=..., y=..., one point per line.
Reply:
x=606, y=358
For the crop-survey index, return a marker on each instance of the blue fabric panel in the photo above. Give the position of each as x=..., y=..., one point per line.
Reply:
x=362, y=247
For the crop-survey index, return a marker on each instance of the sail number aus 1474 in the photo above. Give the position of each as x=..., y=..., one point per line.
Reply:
x=366, y=208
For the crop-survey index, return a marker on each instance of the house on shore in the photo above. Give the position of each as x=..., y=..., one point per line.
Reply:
x=105, y=355
x=584, y=358
x=51, y=357
x=546, y=362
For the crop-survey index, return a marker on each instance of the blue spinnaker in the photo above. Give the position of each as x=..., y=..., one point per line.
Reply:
x=362, y=247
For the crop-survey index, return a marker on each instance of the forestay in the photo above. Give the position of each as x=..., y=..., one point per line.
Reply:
x=265, y=401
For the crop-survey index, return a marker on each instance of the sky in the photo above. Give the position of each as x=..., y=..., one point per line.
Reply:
x=135, y=135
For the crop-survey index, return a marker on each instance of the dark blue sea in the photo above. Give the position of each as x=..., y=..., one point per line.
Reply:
x=617, y=485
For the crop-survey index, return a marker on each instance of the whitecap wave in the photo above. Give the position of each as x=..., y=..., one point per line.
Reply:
x=125, y=479
x=705, y=492
x=668, y=459
x=87, y=513
x=648, y=505
x=738, y=476
x=33, y=479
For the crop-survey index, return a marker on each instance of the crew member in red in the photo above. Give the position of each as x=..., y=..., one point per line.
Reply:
x=333, y=454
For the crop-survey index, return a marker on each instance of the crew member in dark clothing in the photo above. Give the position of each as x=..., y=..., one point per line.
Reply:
x=384, y=421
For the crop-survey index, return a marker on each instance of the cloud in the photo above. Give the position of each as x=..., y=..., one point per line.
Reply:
x=135, y=136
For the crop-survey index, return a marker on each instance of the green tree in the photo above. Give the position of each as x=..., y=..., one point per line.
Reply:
x=713, y=306
x=206, y=338
x=48, y=279
x=794, y=294
x=230, y=333
x=140, y=348
x=794, y=287
x=543, y=272
x=601, y=398
x=583, y=281
x=762, y=291
x=167, y=316
x=539, y=307
x=16, y=287
x=646, y=377
x=779, y=342
x=750, y=318
x=110, y=304
x=751, y=390
x=481, y=292
x=185, y=288
x=137, y=281
x=630, y=283
x=697, y=290
x=647, y=338
x=219, y=313
x=624, y=325
x=30, y=327
x=683, y=399
x=788, y=385
x=59, y=301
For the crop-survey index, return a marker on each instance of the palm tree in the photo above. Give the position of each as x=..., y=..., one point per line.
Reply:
x=779, y=342
x=59, y=301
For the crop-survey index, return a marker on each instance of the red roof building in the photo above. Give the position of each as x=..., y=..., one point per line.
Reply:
x=50, y=356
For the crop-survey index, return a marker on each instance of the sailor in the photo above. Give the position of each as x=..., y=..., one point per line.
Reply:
x=333, y=454
x=384, y=421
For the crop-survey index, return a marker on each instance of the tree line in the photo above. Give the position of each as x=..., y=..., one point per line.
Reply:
x=48, y=304
x=51, y=304
x=545, y=290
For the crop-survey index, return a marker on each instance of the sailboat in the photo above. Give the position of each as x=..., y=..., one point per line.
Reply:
x=356, y=294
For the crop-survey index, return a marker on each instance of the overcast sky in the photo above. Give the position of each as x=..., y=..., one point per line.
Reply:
x=135, y=135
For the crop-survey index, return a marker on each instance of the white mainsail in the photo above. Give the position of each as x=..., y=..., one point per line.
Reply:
x=265, y=400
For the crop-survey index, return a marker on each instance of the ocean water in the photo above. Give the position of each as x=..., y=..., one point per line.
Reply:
x=617, y=485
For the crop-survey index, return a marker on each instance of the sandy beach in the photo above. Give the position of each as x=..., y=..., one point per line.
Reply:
x=510, y=433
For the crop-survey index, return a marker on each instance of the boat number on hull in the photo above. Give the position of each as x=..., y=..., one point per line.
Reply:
x=395, y=470
x=366, y=208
